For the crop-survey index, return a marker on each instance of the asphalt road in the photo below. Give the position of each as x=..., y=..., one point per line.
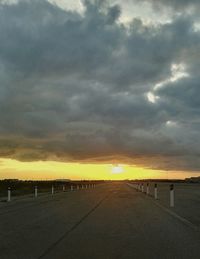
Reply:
x=111, y=221
x=187, y=199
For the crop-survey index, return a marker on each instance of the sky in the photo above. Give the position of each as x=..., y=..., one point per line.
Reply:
x=99, y=89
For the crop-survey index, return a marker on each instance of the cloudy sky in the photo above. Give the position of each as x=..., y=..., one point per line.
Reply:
x=100, y=82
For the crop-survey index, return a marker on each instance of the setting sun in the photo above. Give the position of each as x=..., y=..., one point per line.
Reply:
x=44, y=170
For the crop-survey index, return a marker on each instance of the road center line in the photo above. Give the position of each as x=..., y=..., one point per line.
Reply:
x=73, y=227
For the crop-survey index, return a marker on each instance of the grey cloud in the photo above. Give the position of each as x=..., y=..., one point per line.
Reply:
x=74, y=87
x=176, y=4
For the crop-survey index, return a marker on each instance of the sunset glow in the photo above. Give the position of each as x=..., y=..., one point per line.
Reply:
x=12, y=169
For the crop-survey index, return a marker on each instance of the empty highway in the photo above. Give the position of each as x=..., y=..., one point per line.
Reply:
x=111, y=221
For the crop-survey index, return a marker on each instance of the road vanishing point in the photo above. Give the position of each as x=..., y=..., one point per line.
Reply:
x=111, y=221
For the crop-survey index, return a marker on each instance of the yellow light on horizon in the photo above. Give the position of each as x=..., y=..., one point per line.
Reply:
x=44, y=170
x=118, y=169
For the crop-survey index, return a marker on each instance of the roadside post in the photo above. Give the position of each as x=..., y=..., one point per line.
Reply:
x=147, y=188
x=36, y=191
x=71, y=187
x=171, y=195
x=9, y=194
x=142, y=187
x=155, y=191
x=52, y=190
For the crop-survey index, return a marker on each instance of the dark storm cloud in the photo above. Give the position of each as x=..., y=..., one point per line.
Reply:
x=74, y=87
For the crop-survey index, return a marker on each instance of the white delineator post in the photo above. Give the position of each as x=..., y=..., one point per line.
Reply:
x=52, y=190
x=63, y=188
x=9, y=194
x=155, y=191
x=36, y=191
x=147, y=188
x=71, y=187
x=142, y=187
x=77, y=187
x=171, y=195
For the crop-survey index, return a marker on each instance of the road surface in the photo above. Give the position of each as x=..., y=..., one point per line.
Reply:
x=111, y=221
